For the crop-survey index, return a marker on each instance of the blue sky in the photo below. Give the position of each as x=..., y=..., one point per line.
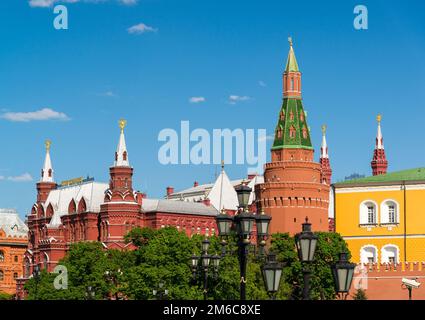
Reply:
x=97, y=72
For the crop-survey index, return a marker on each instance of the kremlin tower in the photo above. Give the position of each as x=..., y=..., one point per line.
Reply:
x=120, y=211
x=294, y=185
x=379, y=162
x=324, y=160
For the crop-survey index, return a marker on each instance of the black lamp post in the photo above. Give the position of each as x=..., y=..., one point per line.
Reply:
x=90, y=293
x=36, y=274
x=200, y=265
x=342, y=272
x=160, y=294
x=244, y=222
x=272, y=272
x=306, y=242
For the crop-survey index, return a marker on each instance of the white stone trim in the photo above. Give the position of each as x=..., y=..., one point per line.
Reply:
x=393, y=246
x=370, y=246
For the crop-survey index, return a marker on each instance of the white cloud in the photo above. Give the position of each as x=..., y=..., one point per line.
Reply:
x=233, y=99
x=141, y=28
x=262, y=83
x=109, y=94
x=41, y=3
x=197, y=99
x=21, y=178
x=39, y=115
x=128, y=2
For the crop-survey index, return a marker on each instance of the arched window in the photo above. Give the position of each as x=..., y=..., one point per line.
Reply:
x=282, y=115
x=304, y=132
x=50, y=173
x=1, y=275
x=124, y=155
x=27, y=268
x=1, y=256
x=15, y=276
x=292, y=84
x=302, y=116
x=45, y=261
x=368, y=213
x=389, y=254
x=368, y=254
x=82, y=206
x=49, y=211
x=16, y=259
x=279, y=133
x=389, y=212
x=72, y=208
x=292, y=132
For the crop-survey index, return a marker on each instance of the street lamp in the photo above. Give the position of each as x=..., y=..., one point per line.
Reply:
x=244, y=222
x=306, y=243
x=36, y=274
x=160, y=294
x=224, y=224
x=90, y=293
x=200, y=265
x=272, y=272
x=342, y=272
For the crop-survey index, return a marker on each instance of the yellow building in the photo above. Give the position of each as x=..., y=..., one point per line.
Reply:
x=382, y=217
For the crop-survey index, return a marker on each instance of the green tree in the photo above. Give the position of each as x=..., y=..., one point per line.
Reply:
x=360, y=295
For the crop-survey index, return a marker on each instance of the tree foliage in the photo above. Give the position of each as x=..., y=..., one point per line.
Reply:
x=163, y=256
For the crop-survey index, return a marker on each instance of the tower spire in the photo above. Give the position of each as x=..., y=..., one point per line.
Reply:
x=379, y=162
x=325, y=165
x=121, y=155
x=47, y=171
x=292, y=130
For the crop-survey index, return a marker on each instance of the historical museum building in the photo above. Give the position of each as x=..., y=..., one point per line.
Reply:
x=295, y=186
x=86, y=210
x=13, y=244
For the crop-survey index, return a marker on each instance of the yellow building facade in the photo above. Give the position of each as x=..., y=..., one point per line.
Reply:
x=382, y=218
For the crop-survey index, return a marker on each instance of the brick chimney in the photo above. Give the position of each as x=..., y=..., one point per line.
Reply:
x=170, y=190
x=195, y=184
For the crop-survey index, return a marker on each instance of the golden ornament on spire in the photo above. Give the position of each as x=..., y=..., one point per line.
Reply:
x=324, y=127
x=47, y=143
x=290, y=40
x=379, y=118
x=122, y=124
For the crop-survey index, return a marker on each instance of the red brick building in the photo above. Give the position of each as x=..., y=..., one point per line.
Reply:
x=86, y=210
x=295, y=186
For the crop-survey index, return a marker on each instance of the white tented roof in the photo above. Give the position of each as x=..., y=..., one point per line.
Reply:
x=203, y=191
x=11, y=224
x=183, y=207
x=92, y=192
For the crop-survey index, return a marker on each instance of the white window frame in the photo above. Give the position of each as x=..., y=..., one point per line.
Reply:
x=364, y=213
x=385, y=214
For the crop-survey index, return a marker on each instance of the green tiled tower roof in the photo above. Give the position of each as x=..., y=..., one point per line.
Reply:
x=292, y=130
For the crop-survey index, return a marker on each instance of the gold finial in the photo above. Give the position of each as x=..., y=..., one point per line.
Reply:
x=290, y=40
x=122, y=124
x=47, y=143
x=379, y=118
x=324, y=127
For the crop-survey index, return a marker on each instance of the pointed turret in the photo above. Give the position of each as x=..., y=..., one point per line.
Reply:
x=292, y=131
x=379, y=162
x=291, y=62
x=324, y=159
x=121, y=187
x=121, y=155
x=47, y=171
x=46, y=183
x=223, y=194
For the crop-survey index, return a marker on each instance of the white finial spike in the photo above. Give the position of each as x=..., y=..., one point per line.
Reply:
x=121, y=156
x=324, y=148
x=47, y=172
x=379, y=139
